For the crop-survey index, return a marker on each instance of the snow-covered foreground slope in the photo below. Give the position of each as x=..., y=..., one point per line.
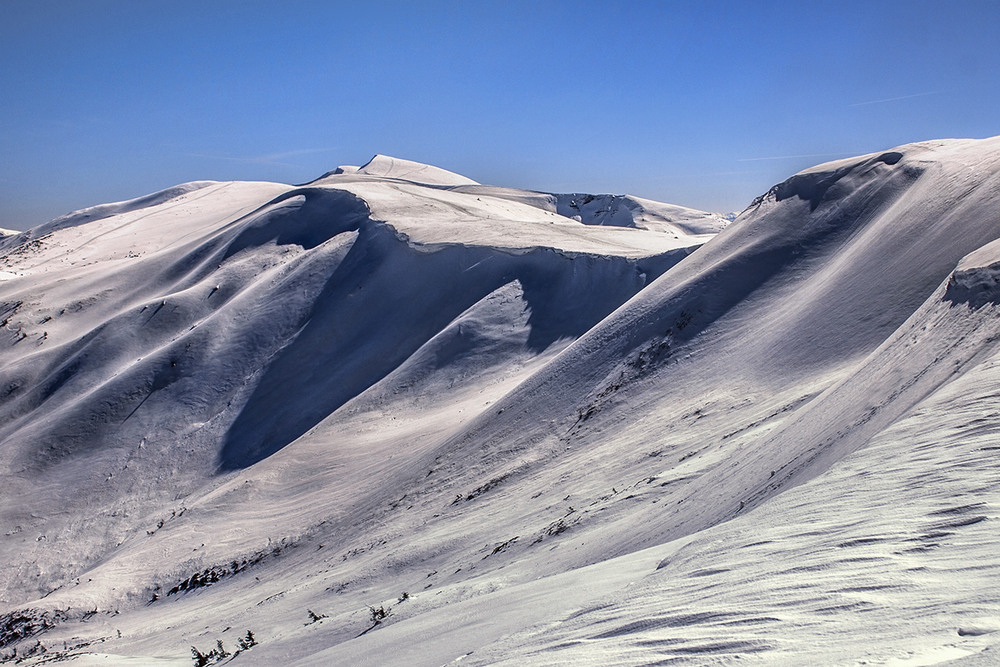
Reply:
x=397, y=417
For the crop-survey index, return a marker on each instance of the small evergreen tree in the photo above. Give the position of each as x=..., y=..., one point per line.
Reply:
x=248, y=641
x=379, y=614
x=200, y=659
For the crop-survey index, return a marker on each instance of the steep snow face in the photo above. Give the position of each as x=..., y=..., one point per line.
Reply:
x=377, y=420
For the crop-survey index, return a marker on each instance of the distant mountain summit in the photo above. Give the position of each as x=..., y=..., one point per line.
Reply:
x=383, y=166
x=609, y=210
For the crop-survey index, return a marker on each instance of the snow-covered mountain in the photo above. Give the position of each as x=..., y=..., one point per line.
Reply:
x=394, y=416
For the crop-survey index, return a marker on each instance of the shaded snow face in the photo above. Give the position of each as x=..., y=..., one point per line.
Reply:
x=397, y=417
x=386, y=299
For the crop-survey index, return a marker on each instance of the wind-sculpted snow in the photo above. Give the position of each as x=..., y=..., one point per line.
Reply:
x=148, y=349
x=889, y=555
x=813, y=186
x=614, y=211
x=976, y=280
x=397, y=417
x=628, y=211
x=386, y=299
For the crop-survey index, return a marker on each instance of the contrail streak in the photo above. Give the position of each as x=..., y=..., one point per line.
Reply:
x=892, y=99
x=790, y=157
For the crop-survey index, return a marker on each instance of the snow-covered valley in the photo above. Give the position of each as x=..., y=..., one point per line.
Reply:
x=394, y=416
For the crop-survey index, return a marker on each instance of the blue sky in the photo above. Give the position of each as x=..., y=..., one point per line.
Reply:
x=699, y=103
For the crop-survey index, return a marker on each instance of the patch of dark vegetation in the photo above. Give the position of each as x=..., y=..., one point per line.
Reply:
x=39, y=653
x=26, y=246
x=636, y=365
x=376, y=616
x=503, y=546
x=219, y=653
x=211, y=575
x=480, y=490
x=161, y=522
x=18, y=625
x=357, y=551
x=215, y=573
x=557, y=527
x=754, y=424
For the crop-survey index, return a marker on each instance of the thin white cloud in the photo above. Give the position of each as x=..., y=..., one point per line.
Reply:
x=894, y=99
x=273, y=159
x=791, y=157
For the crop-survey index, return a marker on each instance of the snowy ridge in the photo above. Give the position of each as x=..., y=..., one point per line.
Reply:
x=433, y=409
x=385, y=167
x=616, y=211
x=100, y=211
x=629, y=211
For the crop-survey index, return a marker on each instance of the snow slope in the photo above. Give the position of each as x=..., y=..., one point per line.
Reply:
x=524, y=439
x=147, y=349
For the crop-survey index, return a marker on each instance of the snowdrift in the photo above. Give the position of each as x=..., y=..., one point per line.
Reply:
x=394, y=404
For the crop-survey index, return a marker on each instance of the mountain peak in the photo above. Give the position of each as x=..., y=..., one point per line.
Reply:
x=392, y=167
